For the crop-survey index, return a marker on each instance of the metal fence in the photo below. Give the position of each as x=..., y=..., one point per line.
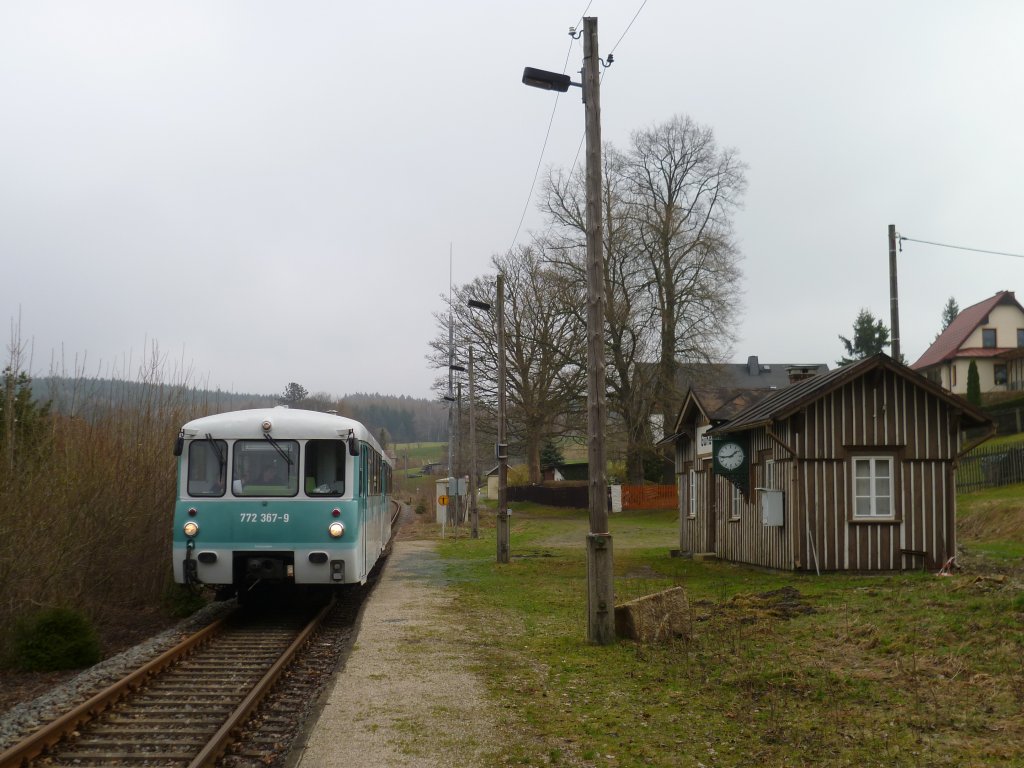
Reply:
x=991, y=467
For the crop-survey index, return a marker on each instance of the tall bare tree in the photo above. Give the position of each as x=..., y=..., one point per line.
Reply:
x=682, y=194
x=671, y=264
x=630, y=319
x=543, y=348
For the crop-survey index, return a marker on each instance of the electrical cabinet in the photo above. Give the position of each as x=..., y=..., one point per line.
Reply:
x=771, y=507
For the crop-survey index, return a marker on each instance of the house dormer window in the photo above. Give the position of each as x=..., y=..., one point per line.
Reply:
x=988, y=338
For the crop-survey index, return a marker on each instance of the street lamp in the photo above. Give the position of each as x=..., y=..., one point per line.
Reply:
x=600, y=583
x=548, y=81
x=501, y=449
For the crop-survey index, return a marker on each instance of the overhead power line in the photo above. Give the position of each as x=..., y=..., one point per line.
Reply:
x=958, y=247
x=627, y=27
x=554, y=109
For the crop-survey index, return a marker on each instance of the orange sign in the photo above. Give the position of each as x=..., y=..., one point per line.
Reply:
x=442, y=500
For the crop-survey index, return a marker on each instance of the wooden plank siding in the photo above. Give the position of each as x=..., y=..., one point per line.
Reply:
x=745, y=539
x=883, y=411
x=880, y=414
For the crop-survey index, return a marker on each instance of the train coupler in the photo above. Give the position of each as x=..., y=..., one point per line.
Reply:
x=189, y=565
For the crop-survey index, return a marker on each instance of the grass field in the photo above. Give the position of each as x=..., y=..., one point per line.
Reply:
x=419, y=454
x=779, y=669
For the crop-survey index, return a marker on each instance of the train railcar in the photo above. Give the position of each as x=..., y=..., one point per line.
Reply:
x=279, y=496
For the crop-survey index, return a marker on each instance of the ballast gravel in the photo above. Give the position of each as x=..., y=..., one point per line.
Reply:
x=22, y=719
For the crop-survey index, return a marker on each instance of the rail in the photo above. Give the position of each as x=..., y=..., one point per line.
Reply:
x=201, y=701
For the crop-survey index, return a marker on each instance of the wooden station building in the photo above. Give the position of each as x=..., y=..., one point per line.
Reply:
x=850, y=470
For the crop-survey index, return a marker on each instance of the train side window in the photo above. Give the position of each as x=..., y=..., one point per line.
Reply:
x=365, y=471
x=207, y=467
x=325, y=467
x=262, y=468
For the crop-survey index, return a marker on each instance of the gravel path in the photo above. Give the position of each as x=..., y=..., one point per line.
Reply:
x=406, y=695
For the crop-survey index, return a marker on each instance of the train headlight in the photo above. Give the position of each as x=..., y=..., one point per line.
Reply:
x=191, y=528
x=336, y=529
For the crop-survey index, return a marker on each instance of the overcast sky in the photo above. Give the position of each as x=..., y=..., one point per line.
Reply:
x=270, y=191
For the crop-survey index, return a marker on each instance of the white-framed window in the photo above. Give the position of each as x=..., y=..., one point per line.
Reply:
x=737, y=503
x=872, y=487
x=693, y=493
x=769, y=474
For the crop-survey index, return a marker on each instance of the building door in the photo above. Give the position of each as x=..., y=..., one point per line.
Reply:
x=710, y=507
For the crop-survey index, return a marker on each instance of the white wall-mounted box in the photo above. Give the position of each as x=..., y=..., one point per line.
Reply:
x=771, y=507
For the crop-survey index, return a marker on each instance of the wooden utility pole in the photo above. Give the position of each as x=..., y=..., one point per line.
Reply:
x=474, y=475
x=894, y=299
x=458, y=455
x=503, y=554
x=600, y=584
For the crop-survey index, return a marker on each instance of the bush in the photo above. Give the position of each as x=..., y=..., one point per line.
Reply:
x=181, y=601
x=55, y=639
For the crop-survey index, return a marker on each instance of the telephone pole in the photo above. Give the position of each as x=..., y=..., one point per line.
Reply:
x=474, y=475
x=600, y=583
x=503, y=544
x=894, y=299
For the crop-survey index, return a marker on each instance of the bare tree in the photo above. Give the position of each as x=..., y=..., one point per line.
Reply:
x=543, y=349
x=671, y=266
x=682, y=194
x=630, y=318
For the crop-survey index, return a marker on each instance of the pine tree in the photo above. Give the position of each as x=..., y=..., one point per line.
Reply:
x=973, y=384
x=870, y=336
x=25, y=422
x=550, y=455
x=293, y=394
x=949, y=312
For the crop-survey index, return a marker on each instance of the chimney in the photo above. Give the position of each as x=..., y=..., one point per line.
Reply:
x=753, y=369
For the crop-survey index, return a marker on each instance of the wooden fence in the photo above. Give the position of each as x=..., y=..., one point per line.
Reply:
x=990, y=468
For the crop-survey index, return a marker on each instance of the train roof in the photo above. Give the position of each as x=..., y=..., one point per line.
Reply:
x=286, y=424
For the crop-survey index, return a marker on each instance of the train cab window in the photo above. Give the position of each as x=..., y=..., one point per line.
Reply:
x=207, y=467
x=325, y=468
x=262, y=468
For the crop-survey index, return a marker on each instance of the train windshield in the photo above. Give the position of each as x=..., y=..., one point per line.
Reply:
x=207, y=467
x=325, y=467
x=262, y=468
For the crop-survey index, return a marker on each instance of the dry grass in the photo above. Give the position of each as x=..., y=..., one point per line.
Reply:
x=84, y=510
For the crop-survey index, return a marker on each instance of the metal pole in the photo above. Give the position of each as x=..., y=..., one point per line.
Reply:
x=451, y=413
x=600, y=583
x=894, y=300
x=503, y=546
x=474, y=477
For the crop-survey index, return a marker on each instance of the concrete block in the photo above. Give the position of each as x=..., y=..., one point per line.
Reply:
x=655, y=618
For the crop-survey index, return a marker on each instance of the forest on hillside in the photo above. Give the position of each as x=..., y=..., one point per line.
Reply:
x=404, y=419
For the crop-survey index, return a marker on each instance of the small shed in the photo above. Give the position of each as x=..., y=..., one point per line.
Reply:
x=492, y=482
x=567, y=470
x=854, y=469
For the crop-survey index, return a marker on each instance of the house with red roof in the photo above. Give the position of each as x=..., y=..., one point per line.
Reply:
x=991, y=333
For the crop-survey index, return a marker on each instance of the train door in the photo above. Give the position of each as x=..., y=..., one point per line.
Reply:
x=711, y=519
x=364, y=503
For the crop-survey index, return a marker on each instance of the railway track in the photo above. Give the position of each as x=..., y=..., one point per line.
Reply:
x=211, y=699
x=183, y=708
